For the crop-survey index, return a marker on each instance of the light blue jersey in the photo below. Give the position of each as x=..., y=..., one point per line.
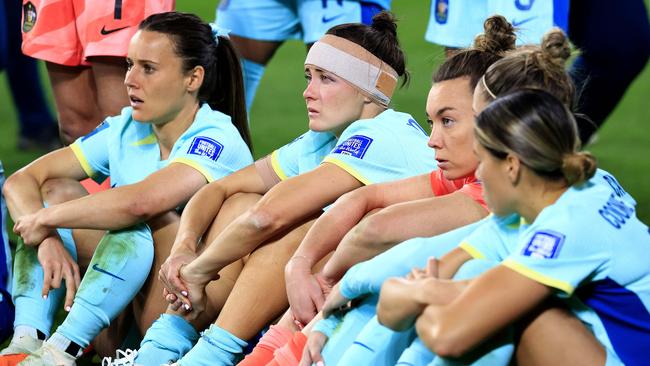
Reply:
x=455, y=23
x=591, y=248
x=387, y=147
x=211, y=145
x=280, y=20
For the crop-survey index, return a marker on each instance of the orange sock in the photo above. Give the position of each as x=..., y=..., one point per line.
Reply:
x=291, y=353
x=93, y=187
x=12, y=360
x=276, y=337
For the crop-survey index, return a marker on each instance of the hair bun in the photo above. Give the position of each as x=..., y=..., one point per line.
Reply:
x=385, y=22
x=578, y=167
x=555, y=46
x=498, y=36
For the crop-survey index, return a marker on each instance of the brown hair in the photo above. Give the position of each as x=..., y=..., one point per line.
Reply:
x=194, y=43
x=536, y=67
x=539, y=129
x=379, y=38
x=489, y=47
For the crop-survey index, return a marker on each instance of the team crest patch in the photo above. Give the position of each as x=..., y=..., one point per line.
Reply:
x=356, y=146
x=29, y=16
x=205, y=146
x=544, y=244
x=442, y=11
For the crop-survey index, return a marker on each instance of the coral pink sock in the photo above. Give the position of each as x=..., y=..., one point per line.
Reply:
x=262, y=354
x=291, y=353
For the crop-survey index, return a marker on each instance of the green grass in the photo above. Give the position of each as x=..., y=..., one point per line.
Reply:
x=278, y=114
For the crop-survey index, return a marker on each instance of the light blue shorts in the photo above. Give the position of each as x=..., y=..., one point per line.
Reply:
x=455, y=23
x=279, y=20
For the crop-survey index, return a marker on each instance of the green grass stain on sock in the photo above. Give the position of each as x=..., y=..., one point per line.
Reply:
x=25, y=263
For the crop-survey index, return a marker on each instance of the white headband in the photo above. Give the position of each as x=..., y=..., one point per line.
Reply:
x=356, y=65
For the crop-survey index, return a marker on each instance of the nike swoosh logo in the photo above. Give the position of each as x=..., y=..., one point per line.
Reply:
x=104, y=31
x=518, y=23
x=96, y=268
x=327, y=20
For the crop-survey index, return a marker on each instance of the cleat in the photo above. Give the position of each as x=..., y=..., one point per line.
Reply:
x=48, y=355
x=24, y=344
x=124, y=358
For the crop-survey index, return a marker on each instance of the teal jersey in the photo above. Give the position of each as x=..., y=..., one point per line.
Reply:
x=128, y=150
x=590, y=247
x=390, y=146
x=302, y=154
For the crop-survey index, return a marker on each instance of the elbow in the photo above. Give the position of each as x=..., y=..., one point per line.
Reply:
x=442, y=338
x=371, y=231
x=142, y=208
x=263, y=219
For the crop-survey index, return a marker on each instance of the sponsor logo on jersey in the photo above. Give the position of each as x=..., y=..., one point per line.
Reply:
x=205, y=146
x=544, y=244
x=105, y=31
x=356, y=146
x=29, y=16
x=524, y=5
x=102, y=126
x=517, y=23
x=415, y=125
x=101, y=270
x=327, y=19
x=442, y=11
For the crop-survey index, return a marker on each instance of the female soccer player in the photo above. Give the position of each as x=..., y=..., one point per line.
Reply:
x=355, y=139
x=183, y=83
x=564, y=235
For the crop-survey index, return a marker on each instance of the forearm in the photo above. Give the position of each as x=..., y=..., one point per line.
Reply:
x=398, y=306
x=198, y=215
x=22, y=194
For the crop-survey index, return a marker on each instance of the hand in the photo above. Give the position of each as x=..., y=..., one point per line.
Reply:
x=195, y=302
x=58, y=264
x=28, y=227
x=306, y=291
x=335, y=301
x=311, y=354
x=430, y=271
x=170, y=271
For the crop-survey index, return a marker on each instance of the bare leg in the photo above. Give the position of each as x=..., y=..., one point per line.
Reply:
x=259, y=296
x=109, y=72
x=76, y=100
x=255, y=50
x=553, y=336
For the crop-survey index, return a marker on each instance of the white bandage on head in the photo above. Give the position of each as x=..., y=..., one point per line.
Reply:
x=356, y=65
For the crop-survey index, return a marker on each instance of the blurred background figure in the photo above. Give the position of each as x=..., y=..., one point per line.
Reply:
x=610, y=56
x=6, y=306
x=38, y=128
x=259, y=27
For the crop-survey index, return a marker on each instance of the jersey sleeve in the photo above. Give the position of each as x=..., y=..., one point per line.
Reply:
x=492, y=239
x=370, y=155
x=475, y=191
x=212, y=156
x=285, y=161
x=560, y=254
x=92, y=150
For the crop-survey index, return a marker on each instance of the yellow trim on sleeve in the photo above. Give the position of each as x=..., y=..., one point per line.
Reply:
x=85, y=165
x=466, y=246
x=348, y=169
x=150, y=139
x=196, y=166
x=277, y=168
x=541, y=278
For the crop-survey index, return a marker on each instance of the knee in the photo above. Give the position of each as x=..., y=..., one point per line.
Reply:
x=55, y=191
x=75, y=122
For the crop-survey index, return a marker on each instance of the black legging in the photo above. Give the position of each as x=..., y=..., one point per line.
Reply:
x=614, y=37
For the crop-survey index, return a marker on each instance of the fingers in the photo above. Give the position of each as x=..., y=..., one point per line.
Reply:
x=47, y=281
x=71, y=275
x=432, y=267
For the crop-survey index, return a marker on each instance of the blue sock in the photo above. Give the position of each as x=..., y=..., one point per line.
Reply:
x=117, y=271
x=253, y=73
x=215, y=347
x=27, y=283
x=416, y=354
x=159, y=348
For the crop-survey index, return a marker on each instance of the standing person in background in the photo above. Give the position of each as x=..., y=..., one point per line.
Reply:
x=38, y=129
x=259, y=27
x=83, y=44
x=610, y=57
x=186, y=126
x=6, y=305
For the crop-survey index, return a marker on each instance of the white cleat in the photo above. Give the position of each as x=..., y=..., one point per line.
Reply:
x=48, y=355
x=24, y=345
x=124, y=358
